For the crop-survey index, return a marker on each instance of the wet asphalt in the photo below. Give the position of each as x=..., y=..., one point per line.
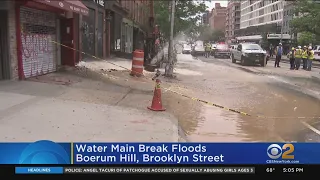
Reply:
x=220, y=82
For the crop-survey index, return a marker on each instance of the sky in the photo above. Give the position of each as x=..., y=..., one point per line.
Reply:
x=211, y=4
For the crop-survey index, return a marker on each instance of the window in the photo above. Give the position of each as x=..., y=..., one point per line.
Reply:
x=251, y=47
x=261, y=12
x=261, y=20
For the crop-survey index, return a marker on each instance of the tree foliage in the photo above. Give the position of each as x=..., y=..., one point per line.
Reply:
x=305, y=38
x=187, y=17
x=207, y=34
x=217, y=35
x=308, y=19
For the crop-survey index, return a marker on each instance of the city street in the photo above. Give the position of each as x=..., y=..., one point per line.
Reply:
x=278, y=93
x=102, y=102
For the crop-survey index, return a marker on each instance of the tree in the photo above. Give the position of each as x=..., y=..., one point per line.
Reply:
x=187, y=16
x=308, y=17
x=217, y=35
x=207, y=34
x=305, y=38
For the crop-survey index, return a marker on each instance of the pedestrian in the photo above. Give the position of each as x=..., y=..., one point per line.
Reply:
x=208, y=50
x=279, y=51
x=291, y=56
x=271, y=50
x=304, y=57
x=297, y=57
x=310, y=58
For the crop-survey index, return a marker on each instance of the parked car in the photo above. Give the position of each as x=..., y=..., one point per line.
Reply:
x=186, y=49
x=316, y=50
x=249, y=54
x=222, y=50
x=198, y=48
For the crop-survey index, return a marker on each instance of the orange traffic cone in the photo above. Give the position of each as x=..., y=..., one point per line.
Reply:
x=156, y=101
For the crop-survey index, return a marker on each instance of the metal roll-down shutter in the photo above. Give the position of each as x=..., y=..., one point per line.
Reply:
x=38, y=30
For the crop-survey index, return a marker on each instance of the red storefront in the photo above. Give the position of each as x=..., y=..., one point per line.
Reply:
x=41, y=25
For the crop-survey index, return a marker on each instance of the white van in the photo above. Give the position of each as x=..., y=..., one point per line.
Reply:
x=186, y=49
x=316, y=50
x=198, y=48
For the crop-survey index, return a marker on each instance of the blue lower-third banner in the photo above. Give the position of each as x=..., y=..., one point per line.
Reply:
x=48, y=152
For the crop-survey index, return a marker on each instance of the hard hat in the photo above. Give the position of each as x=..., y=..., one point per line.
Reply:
x=310, y=47
x=280, y=43
x=299, y=47
x=305, y=46
x=292, y=48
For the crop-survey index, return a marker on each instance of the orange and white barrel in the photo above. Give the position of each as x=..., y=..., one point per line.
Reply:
x=137, y=63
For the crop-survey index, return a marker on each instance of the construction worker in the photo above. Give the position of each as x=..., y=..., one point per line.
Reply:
x=291, y=56
x=310, y=58
x=213, y=50
x=207, y=49
x=279, y=51
x=297, y=57
x=304, y=57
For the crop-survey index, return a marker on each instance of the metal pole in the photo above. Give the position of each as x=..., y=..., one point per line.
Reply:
x=282, y=21
x=169, y=70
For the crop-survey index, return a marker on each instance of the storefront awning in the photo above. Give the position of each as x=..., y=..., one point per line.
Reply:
x=67, y=5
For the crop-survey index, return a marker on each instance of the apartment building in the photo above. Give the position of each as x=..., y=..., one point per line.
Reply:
x=288, y=15
x=232, y=19
x=217, y=21
x=261, y=12
x=205, y=18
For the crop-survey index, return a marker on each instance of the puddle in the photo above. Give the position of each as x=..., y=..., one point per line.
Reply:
x=282, y=106
x=249, y=71
x=217, y=126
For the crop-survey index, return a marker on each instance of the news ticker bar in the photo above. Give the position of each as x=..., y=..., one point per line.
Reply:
x=130, y=170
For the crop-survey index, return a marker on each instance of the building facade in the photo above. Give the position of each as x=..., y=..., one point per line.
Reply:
x=232, y=20
x=37, y=37
x=8, y=45
x=217, y=21
x=260, y=12
x=205, y=18
x=128, y=22
x=288, y=15
x=93, y=32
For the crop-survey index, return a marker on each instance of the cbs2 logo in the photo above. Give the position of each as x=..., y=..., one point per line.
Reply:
x=275, y=151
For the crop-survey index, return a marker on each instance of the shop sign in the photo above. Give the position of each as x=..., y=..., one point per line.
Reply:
x=278, y=36
x=100, y=2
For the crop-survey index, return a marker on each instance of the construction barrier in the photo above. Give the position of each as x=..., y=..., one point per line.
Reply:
x=157, y=100
x=137, y=63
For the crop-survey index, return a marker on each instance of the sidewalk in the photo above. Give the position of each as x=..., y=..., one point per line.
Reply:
x=81, y=110
x=286, y=60
x=284, y=70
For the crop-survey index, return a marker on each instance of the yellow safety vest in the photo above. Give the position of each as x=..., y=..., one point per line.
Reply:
x=298, y=53
x=304, y=54
x=208, y=47
x=311, y=55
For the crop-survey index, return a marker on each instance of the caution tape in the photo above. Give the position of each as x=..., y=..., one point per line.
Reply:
x=190, y=97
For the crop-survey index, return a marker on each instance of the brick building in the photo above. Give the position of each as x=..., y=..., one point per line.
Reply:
x=217, y=21
x=232, y=20
x=31, y=32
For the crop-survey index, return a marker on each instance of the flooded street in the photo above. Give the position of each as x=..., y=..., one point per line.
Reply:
x=217, y=82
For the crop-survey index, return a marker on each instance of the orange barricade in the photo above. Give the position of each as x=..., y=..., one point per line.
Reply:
x=137, y=63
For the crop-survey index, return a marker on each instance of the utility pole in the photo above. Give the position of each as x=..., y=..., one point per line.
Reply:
x=282, y=21
x=169, y=66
